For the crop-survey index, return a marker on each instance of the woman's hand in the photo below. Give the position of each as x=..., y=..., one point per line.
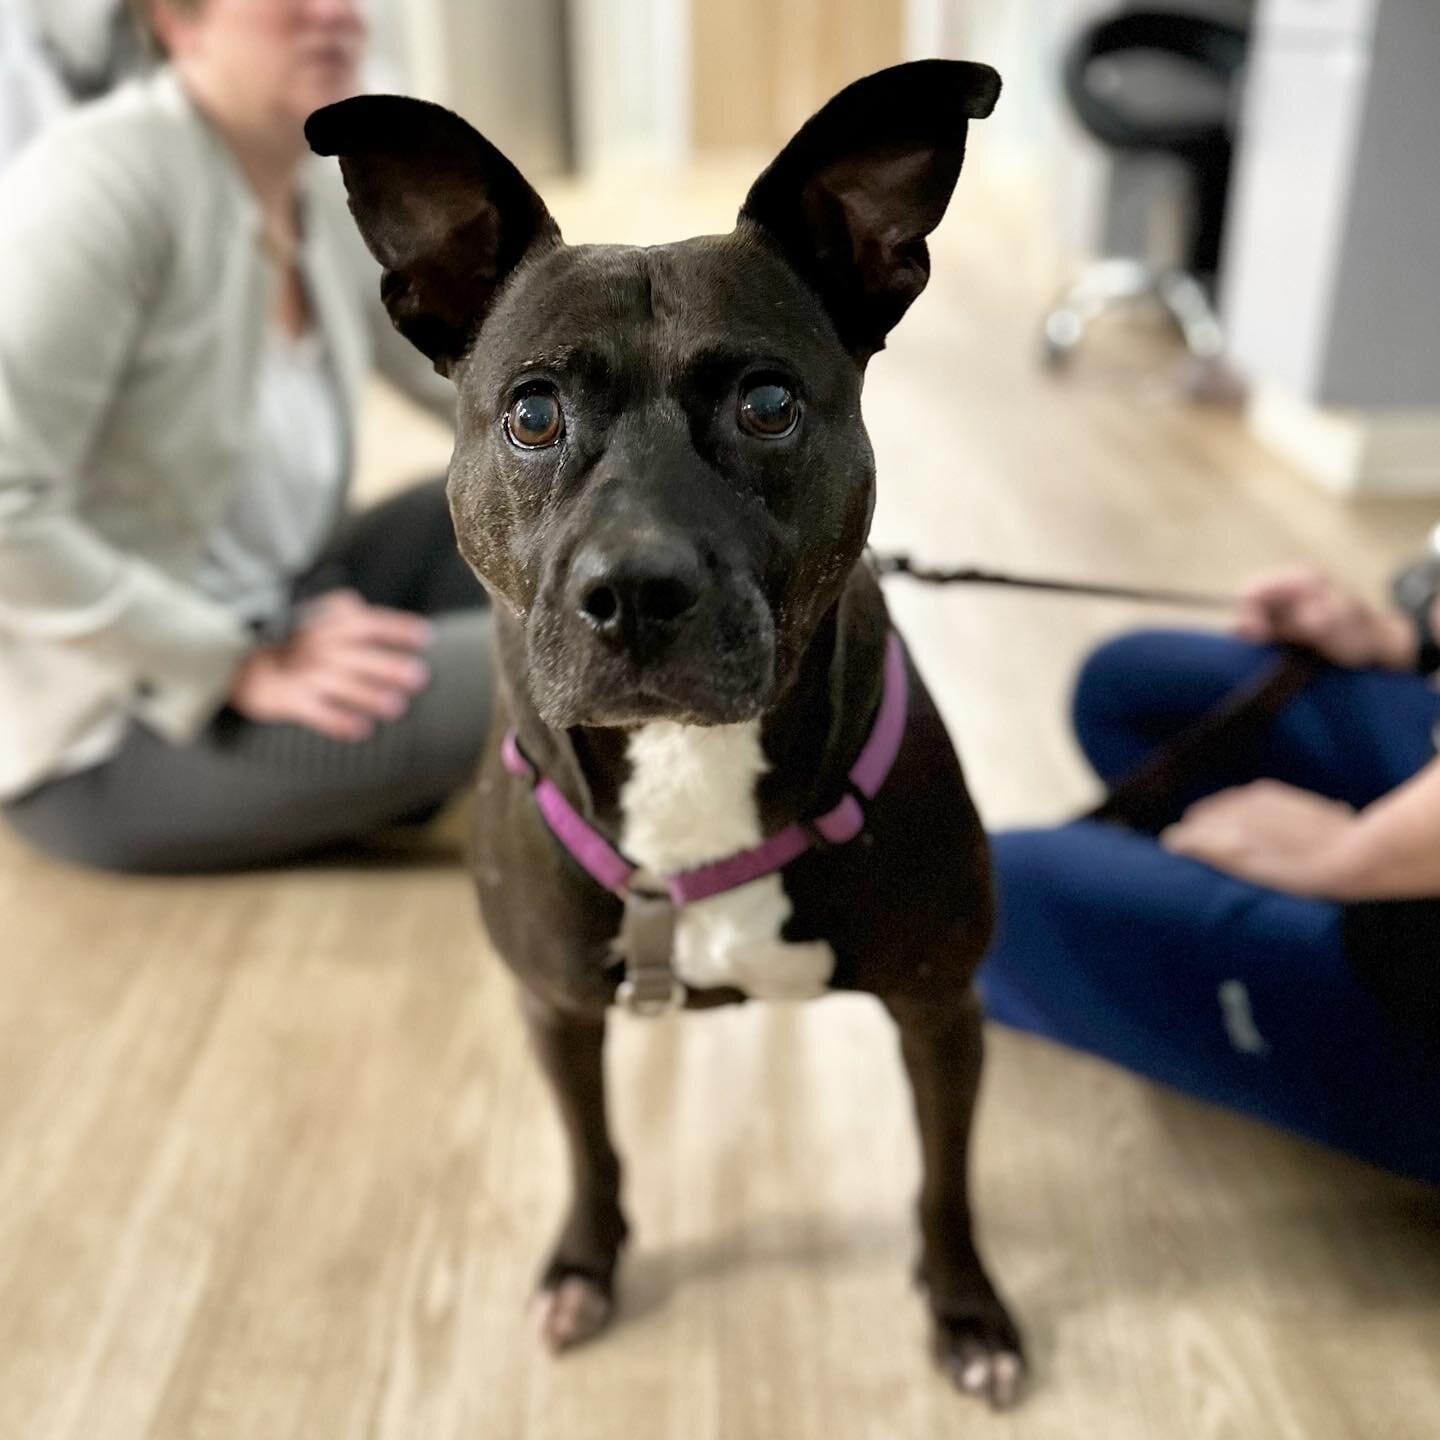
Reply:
x=1271, y=834
x=347, y=665
x=1304, y=607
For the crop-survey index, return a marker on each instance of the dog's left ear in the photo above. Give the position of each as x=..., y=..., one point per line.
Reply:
x=852, y=197
x=446, y=214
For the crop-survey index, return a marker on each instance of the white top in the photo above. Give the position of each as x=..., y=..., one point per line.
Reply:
x=290, y=487
x=287, y=498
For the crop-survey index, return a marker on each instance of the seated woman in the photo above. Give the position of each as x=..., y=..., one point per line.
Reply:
x=200, y=665
x=1277, y=949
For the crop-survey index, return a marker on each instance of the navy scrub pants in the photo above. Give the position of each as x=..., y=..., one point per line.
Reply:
x=1240, y=995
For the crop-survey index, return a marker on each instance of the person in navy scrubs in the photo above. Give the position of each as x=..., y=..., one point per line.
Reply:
x=1276, y=948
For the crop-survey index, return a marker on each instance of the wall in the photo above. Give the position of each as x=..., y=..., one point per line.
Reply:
x=760, y=68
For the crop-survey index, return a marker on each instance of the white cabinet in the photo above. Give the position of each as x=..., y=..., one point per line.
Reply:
x=1333, y=234
x=1285, y=225
x=1299, y=18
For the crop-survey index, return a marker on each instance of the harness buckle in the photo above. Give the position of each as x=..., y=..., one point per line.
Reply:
x=647, y=938
x=650, y=994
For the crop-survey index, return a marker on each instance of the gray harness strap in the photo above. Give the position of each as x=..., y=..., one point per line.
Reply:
x=645, y=943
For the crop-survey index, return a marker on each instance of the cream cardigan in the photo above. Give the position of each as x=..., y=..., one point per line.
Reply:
x=134, y=301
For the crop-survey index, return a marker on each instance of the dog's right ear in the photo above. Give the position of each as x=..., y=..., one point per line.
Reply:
x=445, y=213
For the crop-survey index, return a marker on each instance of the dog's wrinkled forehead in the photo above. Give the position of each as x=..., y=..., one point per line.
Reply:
x=651, y=313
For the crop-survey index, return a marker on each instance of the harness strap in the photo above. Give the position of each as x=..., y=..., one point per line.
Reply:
x=838, y=825
x=591, y=850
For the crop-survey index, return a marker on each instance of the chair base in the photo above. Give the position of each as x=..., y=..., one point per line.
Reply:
x=1110, y=283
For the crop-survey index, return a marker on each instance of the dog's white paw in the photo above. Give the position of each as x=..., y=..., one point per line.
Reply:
x=981, y=1356
x=570, y=1312
x=995, y=1378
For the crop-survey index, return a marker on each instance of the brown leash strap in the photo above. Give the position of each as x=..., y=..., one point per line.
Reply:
x=1146, y=799
x=969, y=575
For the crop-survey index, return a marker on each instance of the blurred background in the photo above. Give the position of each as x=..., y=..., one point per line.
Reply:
x=273, y=1160
x=1261, y=172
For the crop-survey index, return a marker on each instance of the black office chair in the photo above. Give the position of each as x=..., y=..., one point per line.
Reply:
x=1193, y=124
x=93, y=55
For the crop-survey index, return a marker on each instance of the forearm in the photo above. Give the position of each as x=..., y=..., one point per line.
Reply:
x=1392, y=849
x=62, y=584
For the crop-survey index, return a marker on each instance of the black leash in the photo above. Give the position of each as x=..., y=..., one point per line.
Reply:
x=899, y=564
x=1148, y=798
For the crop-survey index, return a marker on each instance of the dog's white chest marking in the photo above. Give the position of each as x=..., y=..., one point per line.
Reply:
x=690, y=799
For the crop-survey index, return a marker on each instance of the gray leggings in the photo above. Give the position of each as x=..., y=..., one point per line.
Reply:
x=245, y=794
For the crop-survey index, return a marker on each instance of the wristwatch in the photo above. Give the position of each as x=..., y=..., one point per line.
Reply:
x=1414, y=591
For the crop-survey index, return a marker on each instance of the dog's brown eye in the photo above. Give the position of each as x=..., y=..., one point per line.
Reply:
x=768, y=409
x=535, y=420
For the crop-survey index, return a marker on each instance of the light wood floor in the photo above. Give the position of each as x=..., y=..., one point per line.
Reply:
x=274, y=1163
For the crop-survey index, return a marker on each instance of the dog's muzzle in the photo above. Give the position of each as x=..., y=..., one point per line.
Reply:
x=640, y=628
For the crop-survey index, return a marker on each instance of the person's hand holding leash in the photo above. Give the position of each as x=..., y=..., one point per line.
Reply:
x=347, y=665
x=1304, y=607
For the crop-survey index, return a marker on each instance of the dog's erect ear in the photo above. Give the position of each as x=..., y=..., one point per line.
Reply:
x=852, y=197
x=443, y=211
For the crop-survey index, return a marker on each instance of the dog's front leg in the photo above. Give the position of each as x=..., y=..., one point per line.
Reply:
x=576, y=1286
x=975, y=1341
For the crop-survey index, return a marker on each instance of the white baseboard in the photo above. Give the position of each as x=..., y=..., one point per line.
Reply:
x=1352, y=452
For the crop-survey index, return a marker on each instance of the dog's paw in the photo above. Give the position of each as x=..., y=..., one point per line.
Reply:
x=981, y=1356
x=571, y=1311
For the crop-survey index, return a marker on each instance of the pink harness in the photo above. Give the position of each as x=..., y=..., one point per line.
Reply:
x=608, y=867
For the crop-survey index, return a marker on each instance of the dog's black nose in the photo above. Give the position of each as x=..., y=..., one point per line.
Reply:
x=635, y=595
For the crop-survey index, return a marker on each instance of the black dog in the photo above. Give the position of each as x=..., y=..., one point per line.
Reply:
x=662, y=477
